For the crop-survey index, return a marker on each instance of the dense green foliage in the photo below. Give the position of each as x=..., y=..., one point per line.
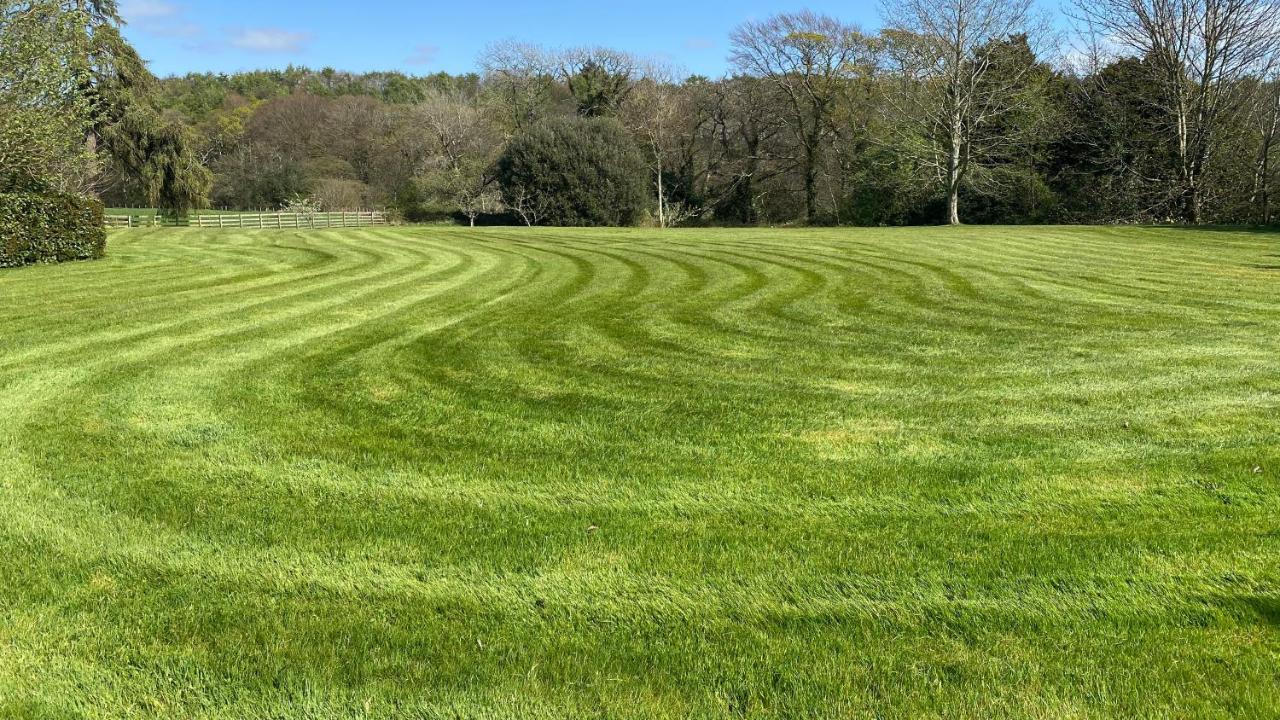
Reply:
x=49, y=227
x=1074, y=148
x=573, y=172
x=145, y=158
x=434, y=473
x=156, y=163
x=76, y=100
x=43, y=120
x=820, y=124
x=202, y=94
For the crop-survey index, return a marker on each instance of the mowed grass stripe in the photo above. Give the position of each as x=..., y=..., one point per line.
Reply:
x=424, y=472
x=282, y=301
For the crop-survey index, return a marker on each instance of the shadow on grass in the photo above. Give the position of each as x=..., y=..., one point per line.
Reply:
x=1267, y=266
x=1263, y=609
x=1256, y=229
x=1266, y=608
x=1271, y=230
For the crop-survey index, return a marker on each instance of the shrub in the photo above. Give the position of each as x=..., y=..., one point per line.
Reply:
x=574, y=171
x=335, y=195
x=49, y=227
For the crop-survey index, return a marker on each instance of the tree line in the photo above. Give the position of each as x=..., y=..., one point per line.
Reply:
x=958, y=110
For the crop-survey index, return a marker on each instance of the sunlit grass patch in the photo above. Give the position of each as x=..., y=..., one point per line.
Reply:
x=430, y=472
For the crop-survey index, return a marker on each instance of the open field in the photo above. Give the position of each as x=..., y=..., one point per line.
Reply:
x=424, y=472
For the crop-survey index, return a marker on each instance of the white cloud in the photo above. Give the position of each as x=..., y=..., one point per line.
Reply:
x=699, y=43
x=133, y=10
x=156, y=17
x=423, y=55
x=269, y=40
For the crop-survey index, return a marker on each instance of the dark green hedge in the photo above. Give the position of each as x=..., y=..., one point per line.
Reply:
x=50, y=227
x=574, y=171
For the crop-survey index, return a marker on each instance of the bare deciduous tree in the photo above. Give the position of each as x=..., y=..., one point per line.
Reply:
x=476, y=196
x=456, y=126
x=809, y=59
x=293, y=124
x=744, y=132
x=1198, y=52
x=338, y=195
x=529, y=206
x=463, y=145
x=1268, y=124
x=655, y=114
x=951, y=90
x=521, y=80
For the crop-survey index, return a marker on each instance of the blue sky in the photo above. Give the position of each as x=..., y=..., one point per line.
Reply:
x=180, y=36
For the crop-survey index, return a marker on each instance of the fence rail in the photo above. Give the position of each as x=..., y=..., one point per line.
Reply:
x=252, y=220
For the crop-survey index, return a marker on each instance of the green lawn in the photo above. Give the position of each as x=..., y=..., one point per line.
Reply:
x=385, y=473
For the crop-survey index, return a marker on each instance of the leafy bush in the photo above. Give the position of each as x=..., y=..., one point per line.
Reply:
x=50, y=227
x=42, y=125
x=418, y=201
x=574, y=171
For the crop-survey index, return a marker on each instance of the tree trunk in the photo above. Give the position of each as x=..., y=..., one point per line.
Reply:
x=747, y=183
x=1266, y=162
x=953, y=186
x=1193, y=198
x=955, y=168
x=662, y=200
x=1264, y=191
x=810, y=187
x=1262, y=169
x=812, y=157
x=1186, y=163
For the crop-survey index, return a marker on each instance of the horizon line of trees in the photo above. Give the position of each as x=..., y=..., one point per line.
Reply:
x=958, y=110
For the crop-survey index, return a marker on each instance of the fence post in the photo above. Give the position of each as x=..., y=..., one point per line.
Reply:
x=259, y=220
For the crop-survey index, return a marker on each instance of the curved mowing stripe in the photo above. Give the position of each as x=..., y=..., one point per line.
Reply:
x=437, y=472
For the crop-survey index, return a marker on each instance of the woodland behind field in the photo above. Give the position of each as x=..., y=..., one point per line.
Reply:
x=961, y=111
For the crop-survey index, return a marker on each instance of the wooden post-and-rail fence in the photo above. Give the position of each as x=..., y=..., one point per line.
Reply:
x=257, y=221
